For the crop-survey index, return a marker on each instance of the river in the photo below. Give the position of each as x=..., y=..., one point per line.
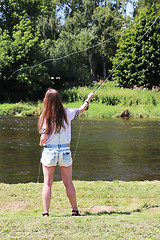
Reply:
x=108, y=149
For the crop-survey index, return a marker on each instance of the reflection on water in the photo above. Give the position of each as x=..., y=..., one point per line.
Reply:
x=110, y=149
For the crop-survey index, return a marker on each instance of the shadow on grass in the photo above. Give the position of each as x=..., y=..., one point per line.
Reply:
x=112, y=212
x=103, y=213
x=108, y=213
x=88, y=213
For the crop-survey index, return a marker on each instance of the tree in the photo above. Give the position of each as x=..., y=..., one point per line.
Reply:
x=33, y=31
x=88, y=23
x=20, y=52
x=73, y=70
x=22, y=46
x=107, y=22
x=142, y=66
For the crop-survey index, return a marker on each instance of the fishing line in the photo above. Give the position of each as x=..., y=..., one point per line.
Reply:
x=111, y=74
x=78, y=139
x=39, y=171
x=101, y=82
x=79, y=51
x=126, y=55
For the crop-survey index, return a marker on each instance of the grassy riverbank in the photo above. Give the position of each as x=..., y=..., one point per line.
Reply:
x=109, y=101
x=95, y=110
x=110, y=210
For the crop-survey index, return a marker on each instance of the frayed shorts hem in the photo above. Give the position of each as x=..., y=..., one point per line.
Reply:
x=54, y=165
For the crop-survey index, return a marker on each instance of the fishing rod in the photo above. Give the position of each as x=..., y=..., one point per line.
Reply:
x=112, y=73
x=125, y=56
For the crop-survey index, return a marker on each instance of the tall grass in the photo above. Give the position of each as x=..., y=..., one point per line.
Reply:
x=110, y=94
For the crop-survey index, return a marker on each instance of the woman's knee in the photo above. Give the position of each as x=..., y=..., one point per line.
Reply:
x=68, y=183
x=48, y=181
x=48, y=173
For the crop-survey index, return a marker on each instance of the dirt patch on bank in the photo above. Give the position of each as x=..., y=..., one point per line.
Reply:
x=101, y=209
x=14, y=206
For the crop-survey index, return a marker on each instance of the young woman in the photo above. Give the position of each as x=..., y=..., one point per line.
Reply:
x=55, y=128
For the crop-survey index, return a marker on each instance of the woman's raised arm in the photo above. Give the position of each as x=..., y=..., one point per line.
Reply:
x=86, y=102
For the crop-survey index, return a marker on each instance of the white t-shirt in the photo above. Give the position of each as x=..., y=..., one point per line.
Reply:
x=72, y=113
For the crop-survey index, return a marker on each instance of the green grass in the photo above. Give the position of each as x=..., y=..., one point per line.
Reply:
x=110, y=210
x=107, y=111
x=109, y=101
x=110, y=94
x=95, y=110
x=21, y=108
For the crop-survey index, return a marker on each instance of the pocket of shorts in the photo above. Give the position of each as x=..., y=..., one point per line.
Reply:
x=49, y=155
x=66, y=156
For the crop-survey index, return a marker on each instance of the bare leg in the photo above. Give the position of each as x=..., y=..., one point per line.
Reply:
x=66, y=173
x=48, y=173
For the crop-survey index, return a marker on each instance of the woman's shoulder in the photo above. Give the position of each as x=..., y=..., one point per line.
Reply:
x=70, y=110
x=71, y=113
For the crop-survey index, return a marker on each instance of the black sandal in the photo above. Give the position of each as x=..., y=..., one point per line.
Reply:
x=75, y=213
x=45, y=214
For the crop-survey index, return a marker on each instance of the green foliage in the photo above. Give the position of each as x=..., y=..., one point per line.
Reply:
x=20, y=52
x=34, y=31
x=142, y=66
x=86, y=25
x=21, y=47
x=69, y=95
x=5, y=43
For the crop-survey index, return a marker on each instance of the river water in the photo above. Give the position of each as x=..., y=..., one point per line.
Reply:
x=108, y=149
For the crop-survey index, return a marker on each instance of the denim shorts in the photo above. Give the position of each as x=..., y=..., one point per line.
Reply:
x=53, y=156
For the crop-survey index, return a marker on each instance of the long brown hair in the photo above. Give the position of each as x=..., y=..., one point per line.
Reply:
x=53, y=112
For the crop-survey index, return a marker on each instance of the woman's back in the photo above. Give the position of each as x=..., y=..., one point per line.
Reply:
x=64, y=136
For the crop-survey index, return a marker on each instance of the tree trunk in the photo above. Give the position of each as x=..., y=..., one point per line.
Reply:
x=2, y=86
x=91, y=65
x=103, y=57
x=104, y=69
